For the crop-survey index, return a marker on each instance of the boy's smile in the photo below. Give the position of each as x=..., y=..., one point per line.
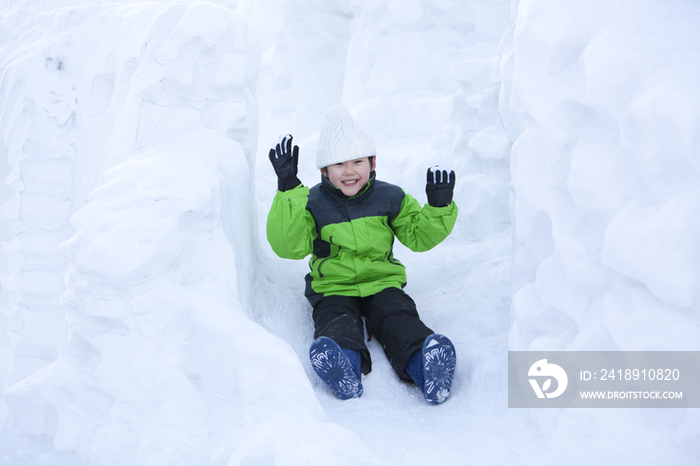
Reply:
x=351, y=176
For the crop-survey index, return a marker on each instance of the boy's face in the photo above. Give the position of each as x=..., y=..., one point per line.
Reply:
x=351, y=176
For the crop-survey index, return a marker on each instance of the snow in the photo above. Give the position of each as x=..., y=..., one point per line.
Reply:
x=145, y=320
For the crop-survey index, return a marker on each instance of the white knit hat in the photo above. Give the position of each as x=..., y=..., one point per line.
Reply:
x=342, y=139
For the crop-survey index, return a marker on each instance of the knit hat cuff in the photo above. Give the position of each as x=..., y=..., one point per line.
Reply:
x=340, y=153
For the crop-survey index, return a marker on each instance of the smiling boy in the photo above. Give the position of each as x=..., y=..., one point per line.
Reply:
x=350, y=176
x=348, y=223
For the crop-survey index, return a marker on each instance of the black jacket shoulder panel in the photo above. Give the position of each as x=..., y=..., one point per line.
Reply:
x=384, y=200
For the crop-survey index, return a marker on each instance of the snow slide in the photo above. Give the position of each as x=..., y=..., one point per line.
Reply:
x=146, y=321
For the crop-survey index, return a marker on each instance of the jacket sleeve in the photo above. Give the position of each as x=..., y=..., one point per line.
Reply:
x=291, y=229
x=421, y=229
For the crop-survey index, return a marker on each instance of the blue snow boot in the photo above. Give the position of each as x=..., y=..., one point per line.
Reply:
x=432, y=368
x=339, y=368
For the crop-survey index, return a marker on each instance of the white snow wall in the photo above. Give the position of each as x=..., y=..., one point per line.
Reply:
x=130, y=132
x=425, y=76
x=602, y=102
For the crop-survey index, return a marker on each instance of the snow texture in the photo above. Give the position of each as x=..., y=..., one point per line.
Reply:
x=144, y=319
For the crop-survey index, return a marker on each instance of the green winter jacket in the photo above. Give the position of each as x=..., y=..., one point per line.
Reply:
x=351, y=239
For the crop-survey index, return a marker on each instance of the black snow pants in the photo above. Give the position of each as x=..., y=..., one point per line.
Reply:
x=391, y=318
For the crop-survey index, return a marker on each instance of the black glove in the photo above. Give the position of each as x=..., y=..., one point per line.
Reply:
x=440, y=187
x=285, y=162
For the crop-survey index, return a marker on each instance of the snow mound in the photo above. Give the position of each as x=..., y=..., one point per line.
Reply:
x=608, y=109
x=601, y=102
x=136, y=156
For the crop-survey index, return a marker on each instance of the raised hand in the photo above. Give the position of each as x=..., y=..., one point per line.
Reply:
x=440, y=186
x=285, y=160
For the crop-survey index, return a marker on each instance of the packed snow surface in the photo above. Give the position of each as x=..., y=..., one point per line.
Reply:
x=145, y=320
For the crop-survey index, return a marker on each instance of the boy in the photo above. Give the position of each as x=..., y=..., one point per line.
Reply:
x=348, y=223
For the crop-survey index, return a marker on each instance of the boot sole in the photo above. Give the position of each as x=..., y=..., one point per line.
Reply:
x=333, y=367
x=439, y=362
